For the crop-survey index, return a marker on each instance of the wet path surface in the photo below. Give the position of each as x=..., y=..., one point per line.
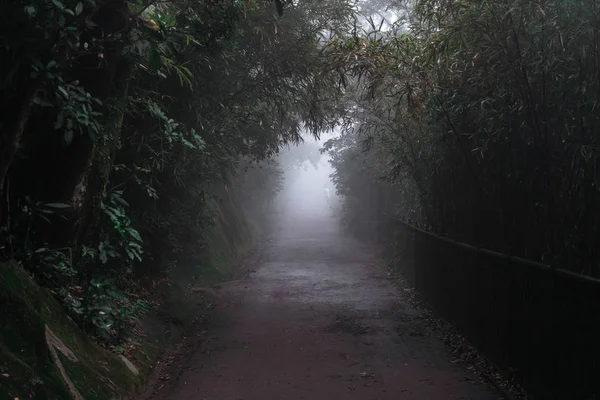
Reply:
x=319, y=320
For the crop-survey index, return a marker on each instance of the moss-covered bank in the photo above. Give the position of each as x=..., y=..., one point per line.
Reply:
x=28, y=368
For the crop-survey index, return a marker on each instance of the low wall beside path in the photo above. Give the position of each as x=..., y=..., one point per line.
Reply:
x=540, y=323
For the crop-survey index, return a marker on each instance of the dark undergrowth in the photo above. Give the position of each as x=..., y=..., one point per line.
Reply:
x=27, y=367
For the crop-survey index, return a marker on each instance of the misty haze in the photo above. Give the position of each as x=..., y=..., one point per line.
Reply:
x=308, y=190
x=299, y=200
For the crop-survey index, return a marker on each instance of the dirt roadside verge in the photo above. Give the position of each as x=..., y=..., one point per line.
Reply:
x=172, y=363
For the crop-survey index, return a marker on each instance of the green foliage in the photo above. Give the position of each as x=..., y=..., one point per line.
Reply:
x=479, y=116
x=45, y=48
x=53, y=265
x=76, y=112
x=122, y=241
x=111, y=311
x=103, y=305
x=138, y=114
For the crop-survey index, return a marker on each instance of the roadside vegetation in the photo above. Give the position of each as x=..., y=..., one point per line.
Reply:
x=476, y=120
x=137, y=144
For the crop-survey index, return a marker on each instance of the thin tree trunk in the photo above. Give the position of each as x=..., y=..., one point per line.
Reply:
x=10, y=144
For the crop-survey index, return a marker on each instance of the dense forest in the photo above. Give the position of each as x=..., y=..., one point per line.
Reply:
x=477, y=120
x=122, y=122
x=126, y=123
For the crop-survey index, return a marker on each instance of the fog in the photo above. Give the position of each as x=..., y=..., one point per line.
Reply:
x=308, y=191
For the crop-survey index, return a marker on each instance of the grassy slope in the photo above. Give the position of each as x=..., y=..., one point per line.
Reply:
x=27, y=370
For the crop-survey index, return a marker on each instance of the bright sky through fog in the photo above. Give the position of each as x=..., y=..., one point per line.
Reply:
x=305, y=186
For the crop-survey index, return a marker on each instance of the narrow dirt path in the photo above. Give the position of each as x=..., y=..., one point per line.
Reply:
x=320, y=320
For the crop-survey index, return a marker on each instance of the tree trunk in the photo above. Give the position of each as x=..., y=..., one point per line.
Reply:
x=10, y=144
